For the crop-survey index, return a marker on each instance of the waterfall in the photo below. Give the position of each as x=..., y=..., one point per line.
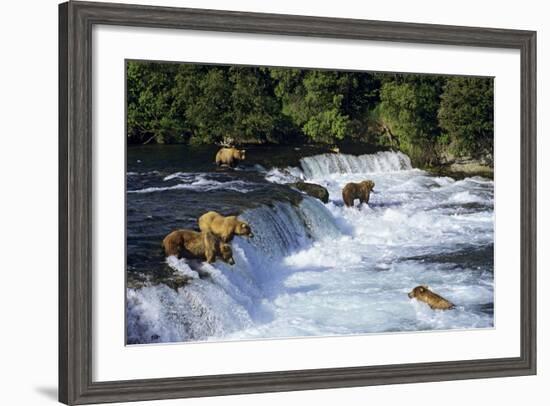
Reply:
x=322, y=165
x=315, y=269
x=230, y=298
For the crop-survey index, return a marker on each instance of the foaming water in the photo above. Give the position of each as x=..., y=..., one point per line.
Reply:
x=229, y=298
x=327, y=164
x=325, y=269
x=197, y=182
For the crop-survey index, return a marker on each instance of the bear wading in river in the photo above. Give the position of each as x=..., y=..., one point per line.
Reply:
x=436, y=302
x=360, y=191
x=230, y=156
x=194, y=245
x=223, y=227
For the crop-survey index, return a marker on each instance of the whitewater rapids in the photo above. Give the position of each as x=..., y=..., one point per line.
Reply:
x=317, y=269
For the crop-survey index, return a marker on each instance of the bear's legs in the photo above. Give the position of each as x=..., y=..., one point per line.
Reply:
x=347, y=201
x=365, y=198
x=172, y=248
x=227, y=235
x=209, y=244
x=210, y=256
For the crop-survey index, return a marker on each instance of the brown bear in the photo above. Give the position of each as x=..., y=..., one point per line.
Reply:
x=360, y=191
x=194, y=245
x=230, y=156
x=223, y=227
x=436, y=302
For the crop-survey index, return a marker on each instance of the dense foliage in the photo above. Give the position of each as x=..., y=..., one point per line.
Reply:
x=154, y=112
x=426, y=116
x=466, y=116
x=408, y=110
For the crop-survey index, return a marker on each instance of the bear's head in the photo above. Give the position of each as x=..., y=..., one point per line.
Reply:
x=239, y=154
x=369, y=184
x=227, y=253
x=418, y=291
x=243, y=228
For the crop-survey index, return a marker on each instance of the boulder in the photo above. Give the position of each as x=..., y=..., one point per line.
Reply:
x=312, y=190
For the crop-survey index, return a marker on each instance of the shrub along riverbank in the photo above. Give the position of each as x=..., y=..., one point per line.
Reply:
x=437, y=120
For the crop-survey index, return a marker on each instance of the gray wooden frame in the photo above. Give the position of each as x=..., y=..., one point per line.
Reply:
x=75, y=191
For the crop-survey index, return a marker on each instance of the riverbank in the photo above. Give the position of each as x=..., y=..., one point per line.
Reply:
x=460, y=169
x=201, y=157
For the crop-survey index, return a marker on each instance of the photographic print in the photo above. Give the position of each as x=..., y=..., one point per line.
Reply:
x=278, y=202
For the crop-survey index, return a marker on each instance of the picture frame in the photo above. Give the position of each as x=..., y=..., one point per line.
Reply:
x=76, y=20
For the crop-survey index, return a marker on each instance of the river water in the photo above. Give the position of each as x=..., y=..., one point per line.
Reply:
x=312, y=269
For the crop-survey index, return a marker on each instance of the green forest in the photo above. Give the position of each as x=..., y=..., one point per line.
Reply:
x=428, y=117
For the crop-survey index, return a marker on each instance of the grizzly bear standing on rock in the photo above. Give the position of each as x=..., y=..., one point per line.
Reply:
x=230, y=156
x=436, y=302
x=223, y=227
x=194, y=245
x=359, y=191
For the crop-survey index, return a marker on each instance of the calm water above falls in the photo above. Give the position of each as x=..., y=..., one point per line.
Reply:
x=312, y=268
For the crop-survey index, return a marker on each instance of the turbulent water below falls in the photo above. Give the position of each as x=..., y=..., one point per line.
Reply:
x=312, y=269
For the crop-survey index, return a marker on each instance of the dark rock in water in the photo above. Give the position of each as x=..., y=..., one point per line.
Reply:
x=177, y=281
x=171, y=279
x=312, y=190
x=134, y=284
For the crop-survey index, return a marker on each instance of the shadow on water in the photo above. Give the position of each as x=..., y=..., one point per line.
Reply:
x=385, y=205
x=463, y=208
x=466, y=257
x=303, y=289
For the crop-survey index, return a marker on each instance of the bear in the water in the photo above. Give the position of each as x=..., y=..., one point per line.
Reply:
x=436, y=302
x=194, y=245
x=360, y=191
x=230, y=156
x=224, y=227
